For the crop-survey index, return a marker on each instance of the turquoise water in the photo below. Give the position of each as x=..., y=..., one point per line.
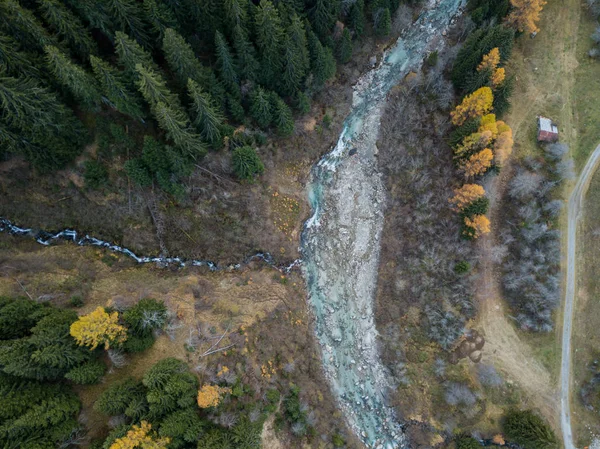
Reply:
x=343, y=315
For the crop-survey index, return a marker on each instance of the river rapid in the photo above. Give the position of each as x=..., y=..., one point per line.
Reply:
x=341, y=241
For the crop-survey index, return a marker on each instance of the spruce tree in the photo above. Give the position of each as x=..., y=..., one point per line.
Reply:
x=17, y=62
x=322, y=61
x=130, y=54
x=115, y=89
x=73, y=78
x=94, y=12
x=296, y=60
x=260, y=107
x=236, y=13
x=160, y=17
x=207, y=118
x=356, y=18
x=183, y=62
x=177, y=126
x=154, y=88
x=246, y=62
x=211, y=14
x=68, y=26
x=322, y=16
x=269, y=37
x=128, y=16
x=226, y=65
x=36, y=124
x=282, y=115
x=21, y=24
x=383, y=22
x=344, y=47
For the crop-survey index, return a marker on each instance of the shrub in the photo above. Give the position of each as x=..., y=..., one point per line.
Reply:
x=465, y=442
x=528, y=430
x=462, y=267
x=478, y=207
x=76, y=301
x=95, y=174
x=145, y=317
x=246, y=163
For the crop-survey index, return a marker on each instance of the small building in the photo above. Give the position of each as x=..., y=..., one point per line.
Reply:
x=547, y=130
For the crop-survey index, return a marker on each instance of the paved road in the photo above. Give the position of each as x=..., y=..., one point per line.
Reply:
x=574, y=212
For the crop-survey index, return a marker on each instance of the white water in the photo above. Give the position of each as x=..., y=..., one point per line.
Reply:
x=341, y=241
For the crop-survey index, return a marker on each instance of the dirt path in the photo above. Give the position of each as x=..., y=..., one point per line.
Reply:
x=574, y=213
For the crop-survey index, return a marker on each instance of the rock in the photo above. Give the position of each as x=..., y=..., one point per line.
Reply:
x=476, y=356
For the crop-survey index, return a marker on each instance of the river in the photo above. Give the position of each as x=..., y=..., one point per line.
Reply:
x=341, y=241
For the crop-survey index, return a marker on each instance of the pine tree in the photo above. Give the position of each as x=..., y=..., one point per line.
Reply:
x=68, y=27
x=207, y=119
x=260, y=107
x=236, y=13
x=296, y=61
x=128, y=16
x=115, y=89
x=282, y=115
x=269, y=36
x=21, y=24
x=160, y=17
x=183, y=62
x=73, y=78
x=356, y=18
x=344, y=47
x=226, y=65
x=245, y=53
x=322, y=60
x=130, y=54
x=95, y=12
x=211, y=14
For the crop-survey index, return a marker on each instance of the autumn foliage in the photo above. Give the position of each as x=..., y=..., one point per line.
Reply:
x=477, y=225
x=140, y=437
x=490, y=61
x=474, y=105
x=525, y=15
x=478, y=163
x=98, y=327
x=210, y=395
x=504, y=143
x=466, y=195
x=498, y=77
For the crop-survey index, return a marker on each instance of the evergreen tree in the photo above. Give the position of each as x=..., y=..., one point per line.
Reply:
x=130, y=54
x=36, y=124
x=177, y=126
x=383, y=22
x=183, y=62
x=296, y=60
x=17, y=317
x=68, y=26
x=260, y=107
x=246, y=62
x=282, y=115
x=160, y=17
x=246, y=163
x=302, y=102
x=154, y=88
x=344, y=47
x=123, y=398
x=207, y=119
x=73, y=78
x=235, y=109
x=236, y=13
x=356, y=18
x=226, y=65
x=128, y=15
x=115, y=90
x=211, y=14
x=95, y=13
x=21, y=24
x=182, y=427
x=17, y=62
x=269, y=36
x=88, y=373
x=322, y=60
x=323, y=15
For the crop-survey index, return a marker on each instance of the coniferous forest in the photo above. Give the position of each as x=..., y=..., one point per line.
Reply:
x=188, y=71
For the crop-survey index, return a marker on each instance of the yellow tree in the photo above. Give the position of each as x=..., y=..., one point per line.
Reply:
x=140, y=437
x=488, y=123
x=525, y=15
x=475, y=105
x=478, y=163
x=210, y=395
x=478, y=224
x=466, y=195
x=98, y=327
x=504, y=143
x=490, y=61
x=498, y=77
x=473, y=143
